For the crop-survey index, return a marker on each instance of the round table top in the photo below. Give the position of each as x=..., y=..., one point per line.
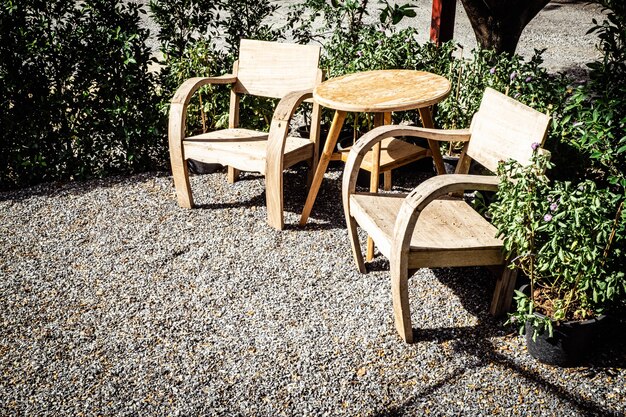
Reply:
x=382, y=91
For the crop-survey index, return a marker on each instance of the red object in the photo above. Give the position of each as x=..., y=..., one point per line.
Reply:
x=442, y=21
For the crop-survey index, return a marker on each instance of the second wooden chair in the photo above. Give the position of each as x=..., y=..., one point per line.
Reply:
x=267, y=69
x=427, y=227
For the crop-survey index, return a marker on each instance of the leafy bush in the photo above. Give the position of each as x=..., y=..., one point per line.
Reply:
x=594, y=120
x=565, y=237
x=189, y=34
x=76, y=96
x=526, y=81
x=571, y=239
x=377, y=48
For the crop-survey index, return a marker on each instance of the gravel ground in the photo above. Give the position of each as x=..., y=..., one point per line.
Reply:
x=114, y=301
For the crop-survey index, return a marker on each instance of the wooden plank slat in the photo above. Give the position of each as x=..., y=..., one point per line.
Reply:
x=505, y=129
x=394, y=153
x=243, y=149
x=272, y=69
x=446, y=229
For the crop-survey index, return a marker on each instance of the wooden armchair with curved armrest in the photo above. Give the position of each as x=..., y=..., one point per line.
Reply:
x=430, y=228
x=266, y=69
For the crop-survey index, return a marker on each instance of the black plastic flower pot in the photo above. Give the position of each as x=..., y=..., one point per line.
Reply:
x=201, y=168
x=570, y=344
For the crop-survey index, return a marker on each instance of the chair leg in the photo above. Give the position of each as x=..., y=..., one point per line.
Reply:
x=400, y=296
x=274, y=200
x=370, y=249
x=180, y=173
x=233, y=175
x=387, y=183
x=356, y=246
x=503, y=294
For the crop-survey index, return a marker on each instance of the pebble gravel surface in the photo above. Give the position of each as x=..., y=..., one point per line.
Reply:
x=115, y=301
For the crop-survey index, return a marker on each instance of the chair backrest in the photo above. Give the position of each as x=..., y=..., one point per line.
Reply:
x=504, y=129
x=272, y=69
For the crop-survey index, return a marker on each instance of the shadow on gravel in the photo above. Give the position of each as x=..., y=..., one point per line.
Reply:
x=472, y=341
x=486, y=357
x=76, y=187
x=328, y=208
x=576, y=72
x=473, y=286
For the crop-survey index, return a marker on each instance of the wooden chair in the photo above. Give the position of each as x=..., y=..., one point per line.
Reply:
x=430, y=228
x=266, y=69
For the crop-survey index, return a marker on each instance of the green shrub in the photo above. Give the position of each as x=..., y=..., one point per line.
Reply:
x=189, y=34
x=76, y=96
x=525, y=81
x=594, y=121
x=571, y=239
x=565, y=237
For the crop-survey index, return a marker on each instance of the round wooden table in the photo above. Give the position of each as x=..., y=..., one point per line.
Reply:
x=379, y=92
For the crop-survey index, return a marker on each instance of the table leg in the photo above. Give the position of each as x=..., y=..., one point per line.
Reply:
x=379, y=120
x=387, y=181
x=329, y=146
x=427, y=121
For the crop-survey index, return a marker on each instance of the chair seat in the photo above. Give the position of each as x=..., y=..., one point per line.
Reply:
x=449, y=232
x=243, y=149
x=394, y=153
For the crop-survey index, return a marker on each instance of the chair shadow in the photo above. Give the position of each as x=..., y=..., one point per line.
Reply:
x=466, y=342
x=327, y=210
x=607, y=357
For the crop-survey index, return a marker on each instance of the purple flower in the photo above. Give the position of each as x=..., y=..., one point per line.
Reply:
x=359, y=53
x=554, y=206
x=379, y=42
x=528, y=79
x=492, y=70
x=407, y=40
x=577, y=124
x=547, y=217
x=517, y=95
x=535, y=145
x=513, y=76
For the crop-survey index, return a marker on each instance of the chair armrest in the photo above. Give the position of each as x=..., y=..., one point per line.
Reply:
x=426, y=192
x=287, y=105
x=279, y=128
x=178, y=105
x=371, y=138
x=186, y=89
x=441, y=135
x=274, y=159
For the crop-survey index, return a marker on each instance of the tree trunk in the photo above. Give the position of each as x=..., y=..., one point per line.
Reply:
x=498, y=24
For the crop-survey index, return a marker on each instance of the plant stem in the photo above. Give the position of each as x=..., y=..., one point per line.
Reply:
x=202, y=114
x=612, y=235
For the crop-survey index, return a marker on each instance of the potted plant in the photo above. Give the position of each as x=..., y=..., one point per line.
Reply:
x=562, y=236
